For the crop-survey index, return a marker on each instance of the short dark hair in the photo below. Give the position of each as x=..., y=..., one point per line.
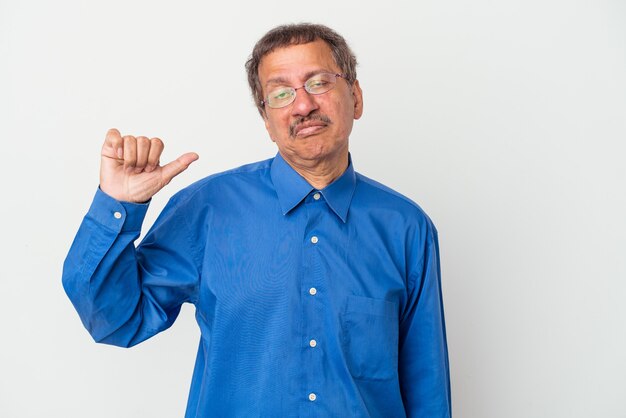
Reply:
x=295, y=34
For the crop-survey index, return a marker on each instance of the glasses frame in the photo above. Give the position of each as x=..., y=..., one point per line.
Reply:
x=295, y=90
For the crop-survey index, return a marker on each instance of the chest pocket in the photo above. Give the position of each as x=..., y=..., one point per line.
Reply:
x=370, y=338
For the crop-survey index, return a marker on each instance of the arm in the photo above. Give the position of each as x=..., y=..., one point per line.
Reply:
x=423, y=356
x=122, y=294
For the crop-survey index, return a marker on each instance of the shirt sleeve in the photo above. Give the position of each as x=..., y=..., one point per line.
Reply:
x=423, y=354
x=124, y=294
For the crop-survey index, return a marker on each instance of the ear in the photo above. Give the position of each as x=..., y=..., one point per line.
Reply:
x=357, y=95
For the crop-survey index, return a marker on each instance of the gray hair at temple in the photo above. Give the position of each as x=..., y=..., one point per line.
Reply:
x=296, y=34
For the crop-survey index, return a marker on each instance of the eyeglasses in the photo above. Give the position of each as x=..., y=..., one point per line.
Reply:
x=318, y=84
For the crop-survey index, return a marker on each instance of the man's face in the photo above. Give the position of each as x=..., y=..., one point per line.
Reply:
x=314, y=128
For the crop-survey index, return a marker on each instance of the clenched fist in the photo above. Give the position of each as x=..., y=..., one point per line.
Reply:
x=130, y=169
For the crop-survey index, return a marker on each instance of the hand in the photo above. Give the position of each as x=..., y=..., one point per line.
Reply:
x=130, y=170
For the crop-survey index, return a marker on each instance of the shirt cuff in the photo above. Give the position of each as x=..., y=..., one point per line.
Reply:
x=116, y=215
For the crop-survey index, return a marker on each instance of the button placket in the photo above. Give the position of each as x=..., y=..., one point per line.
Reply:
x=312, y=304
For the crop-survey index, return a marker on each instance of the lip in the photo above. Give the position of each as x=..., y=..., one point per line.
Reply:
x=309, y=128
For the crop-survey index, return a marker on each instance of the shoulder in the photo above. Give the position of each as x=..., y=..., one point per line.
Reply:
x=235, y=179
x=377, y=196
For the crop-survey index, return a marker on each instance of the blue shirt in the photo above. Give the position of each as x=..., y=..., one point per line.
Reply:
x=311, y=303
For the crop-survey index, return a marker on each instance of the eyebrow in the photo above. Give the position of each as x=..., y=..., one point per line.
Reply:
x=282, y=80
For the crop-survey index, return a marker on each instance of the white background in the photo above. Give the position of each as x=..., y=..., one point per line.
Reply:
x=505, y=120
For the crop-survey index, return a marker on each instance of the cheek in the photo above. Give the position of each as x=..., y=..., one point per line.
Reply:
x=342, y=108
x=343, y=118
x=272, y=125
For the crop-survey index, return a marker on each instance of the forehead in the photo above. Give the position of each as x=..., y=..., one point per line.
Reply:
x=295, y=62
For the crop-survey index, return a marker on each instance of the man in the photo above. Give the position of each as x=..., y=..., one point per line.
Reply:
x=316, y=289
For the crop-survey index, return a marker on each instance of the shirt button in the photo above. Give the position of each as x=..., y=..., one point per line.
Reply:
x=312, y=343
x=316, y=196
x=117, y=215
x=312, y=397
x=312, y=291
x=314, y=239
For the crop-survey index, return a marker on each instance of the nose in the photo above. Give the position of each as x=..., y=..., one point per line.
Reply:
x=304, y=103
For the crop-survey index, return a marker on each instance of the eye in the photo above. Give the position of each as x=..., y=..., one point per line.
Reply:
x=317, y=83
x=320, y=83
x=281, y=94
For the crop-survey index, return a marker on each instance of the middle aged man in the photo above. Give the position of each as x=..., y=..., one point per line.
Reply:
x=317, y=290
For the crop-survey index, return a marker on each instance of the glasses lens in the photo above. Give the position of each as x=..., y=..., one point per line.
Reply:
x=281, y=97
x=317, y=84
x=320, y=83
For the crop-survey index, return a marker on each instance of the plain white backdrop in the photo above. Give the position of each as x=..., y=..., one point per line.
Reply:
x=505, y=120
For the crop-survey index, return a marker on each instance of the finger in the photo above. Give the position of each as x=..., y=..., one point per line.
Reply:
x=156, y=148
x=130, y=152
x=177, y=166
x=143, y=149
x=114, y=140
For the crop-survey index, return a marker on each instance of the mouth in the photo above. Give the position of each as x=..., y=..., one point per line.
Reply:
x=307, y=129
x=309, y=126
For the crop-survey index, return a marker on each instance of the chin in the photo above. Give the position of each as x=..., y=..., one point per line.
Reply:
x=314, y=149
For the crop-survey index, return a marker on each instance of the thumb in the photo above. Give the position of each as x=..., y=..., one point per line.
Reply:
x=174, y=168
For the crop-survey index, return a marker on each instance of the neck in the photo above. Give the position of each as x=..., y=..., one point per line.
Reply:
x=320, y=174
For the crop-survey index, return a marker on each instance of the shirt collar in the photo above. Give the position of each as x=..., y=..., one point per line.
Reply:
x=292, y=188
